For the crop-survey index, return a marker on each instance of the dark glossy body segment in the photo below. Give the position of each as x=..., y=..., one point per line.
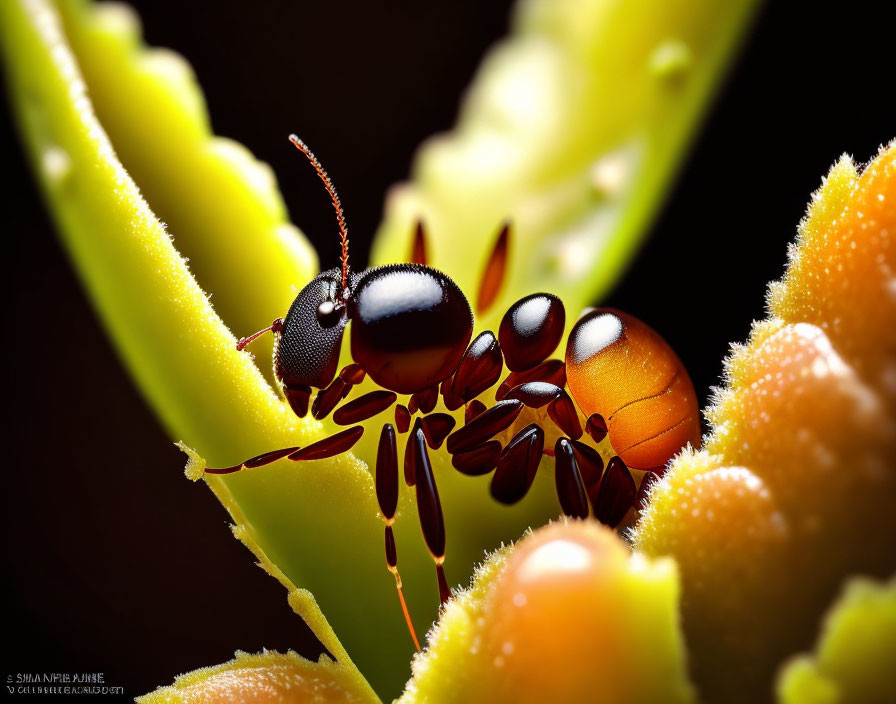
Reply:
x=387, y=473
x=483, y=427
x=596, y=427
x=591, y=464
x=391, y=550
x=564, y=414
x=480, y=367
x=352, y=374
x=535, y=394
x=478, y=461
x=436, y=428
x=451, y=400
x=444, y=590
x=531, y=329
x=326, y=400
x=410, y=326
x=331, y=446
x=616, y=494
x=518, y=465
x=425, y=400
x=307, y=347
x=570, y=488
x=410, y=461
x=552, y=371
x=402, y=418
x=429, y=507
x=474, y=409
x=298, y=396
x=360, y=409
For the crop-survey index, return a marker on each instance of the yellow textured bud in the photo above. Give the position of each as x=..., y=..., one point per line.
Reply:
x=571, y=616
x=795, y=488
x=267, y=678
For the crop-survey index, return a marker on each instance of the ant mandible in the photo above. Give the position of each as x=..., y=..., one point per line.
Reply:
x=411, y=330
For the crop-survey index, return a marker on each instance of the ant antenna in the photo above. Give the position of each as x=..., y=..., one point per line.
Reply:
x=337, y=204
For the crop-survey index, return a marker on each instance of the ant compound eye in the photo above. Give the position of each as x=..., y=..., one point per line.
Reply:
x=309, y=344
x=329, y=313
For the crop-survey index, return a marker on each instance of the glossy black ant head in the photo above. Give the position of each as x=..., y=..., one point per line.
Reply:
x=310, y=338
x=411, y=325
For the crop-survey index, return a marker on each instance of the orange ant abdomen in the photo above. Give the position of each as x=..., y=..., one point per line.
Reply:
x=620, y=368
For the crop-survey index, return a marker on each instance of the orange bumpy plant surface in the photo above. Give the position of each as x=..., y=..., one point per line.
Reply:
x=568, y=614
x=795, y=487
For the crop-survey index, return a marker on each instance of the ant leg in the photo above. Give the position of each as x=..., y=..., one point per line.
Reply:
x=474, y=408
x=478, y=461
x=535, y=394
x=480, y=368
x=451, y=400
x=352, y=374
x=596, y=427
x=493, y=276
x=276, y=326
x=518, y=465
x=328, y=447
x=436, y=427
x=552, y=371
x=565, y=416
x=257, y=461
x=418, y=247
x=484, y=426
x=424, y=401
x=570, y=487
x=298, y=395
x=410, y=461
x=327, y=398
x=364, y=407
x=429, y=508
x=387, y=496
x=591, y=464
x=616, y=494
x=402, y=418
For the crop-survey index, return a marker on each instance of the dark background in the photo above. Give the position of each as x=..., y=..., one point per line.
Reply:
x=113, y=562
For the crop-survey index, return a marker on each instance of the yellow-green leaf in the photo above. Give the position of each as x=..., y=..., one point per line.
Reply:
x=572, y=129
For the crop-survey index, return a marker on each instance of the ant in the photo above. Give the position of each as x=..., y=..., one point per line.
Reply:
x=411, y=332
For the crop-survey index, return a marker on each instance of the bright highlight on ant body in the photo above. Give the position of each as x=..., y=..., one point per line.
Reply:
x=411, y=334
